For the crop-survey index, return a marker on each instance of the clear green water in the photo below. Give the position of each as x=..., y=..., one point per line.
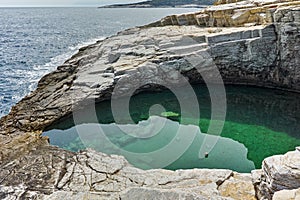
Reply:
x=259, y=123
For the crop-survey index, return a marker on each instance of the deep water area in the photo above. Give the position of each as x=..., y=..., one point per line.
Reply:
x=259, y=123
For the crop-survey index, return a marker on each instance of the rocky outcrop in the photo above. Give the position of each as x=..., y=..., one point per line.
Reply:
x=264, y=53
x=281, y=172
x=288, y=33
x=287, y=195
x=229, y=14
x=94, y=175
x=52, y=173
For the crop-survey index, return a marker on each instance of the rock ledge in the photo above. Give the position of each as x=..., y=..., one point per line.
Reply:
x=250, y=42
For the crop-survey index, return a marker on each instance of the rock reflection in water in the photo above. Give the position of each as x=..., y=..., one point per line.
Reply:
x=265, y=121
x=174, y=146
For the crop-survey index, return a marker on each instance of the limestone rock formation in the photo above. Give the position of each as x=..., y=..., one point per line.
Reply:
x=89, y=174
x=249, y=42
x=281, y=172
x=287, y=195
x=230, y=13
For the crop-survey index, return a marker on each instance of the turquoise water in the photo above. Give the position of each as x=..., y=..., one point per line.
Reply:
x=259, y=123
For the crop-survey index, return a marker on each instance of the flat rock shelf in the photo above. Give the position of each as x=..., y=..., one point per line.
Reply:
x=249, y=42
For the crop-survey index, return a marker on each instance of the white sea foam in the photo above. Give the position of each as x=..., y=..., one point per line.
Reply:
x=40, y=70
x=25, y=43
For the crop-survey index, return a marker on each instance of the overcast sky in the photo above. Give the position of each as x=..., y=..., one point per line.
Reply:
x=61, y=2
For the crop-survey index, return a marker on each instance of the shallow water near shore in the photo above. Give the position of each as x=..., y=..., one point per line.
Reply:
x=259, y=123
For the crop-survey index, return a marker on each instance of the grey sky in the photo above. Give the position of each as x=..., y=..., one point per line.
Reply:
x=61, y=2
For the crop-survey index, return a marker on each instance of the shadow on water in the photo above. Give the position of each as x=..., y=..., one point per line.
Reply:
x=259, y=123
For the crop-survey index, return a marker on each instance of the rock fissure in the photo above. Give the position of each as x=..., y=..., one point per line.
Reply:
x=220, y=182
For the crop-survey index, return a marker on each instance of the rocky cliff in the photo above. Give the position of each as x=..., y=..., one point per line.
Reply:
x=250, y=42
x=242, y=13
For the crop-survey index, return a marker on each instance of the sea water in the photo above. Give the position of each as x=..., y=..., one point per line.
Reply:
x=34, y=41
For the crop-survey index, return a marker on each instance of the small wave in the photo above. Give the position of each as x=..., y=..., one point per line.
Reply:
x=29, y=83
x=60, y=59
x=41, y=70
x=89, y=42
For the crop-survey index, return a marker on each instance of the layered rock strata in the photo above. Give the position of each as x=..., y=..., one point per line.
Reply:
x=242, y=13
x=278, y=173
x=264, y=53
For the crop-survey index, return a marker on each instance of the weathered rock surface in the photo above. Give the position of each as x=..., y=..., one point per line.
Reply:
x=229, y=13
x=281, y=172
x=287, y=195
x=60, y=174
x=262, y=48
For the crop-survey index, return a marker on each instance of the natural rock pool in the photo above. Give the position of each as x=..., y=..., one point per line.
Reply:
x=259, y=123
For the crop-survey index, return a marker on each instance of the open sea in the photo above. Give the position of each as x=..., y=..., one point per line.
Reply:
x=34, y=41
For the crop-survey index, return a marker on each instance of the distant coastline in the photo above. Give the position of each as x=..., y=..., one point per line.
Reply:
x=162, y=4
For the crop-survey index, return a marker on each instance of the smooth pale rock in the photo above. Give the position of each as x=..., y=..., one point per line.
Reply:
x=280, y=172
x=161, y=194
x=283, y=172
x=287, y=195
x=59, y=195
x=93, y=175
x=239, y=186
x=108, y=164
x=16, y=192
